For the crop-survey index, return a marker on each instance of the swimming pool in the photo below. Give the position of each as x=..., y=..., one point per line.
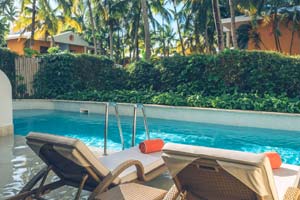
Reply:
x=89, y=128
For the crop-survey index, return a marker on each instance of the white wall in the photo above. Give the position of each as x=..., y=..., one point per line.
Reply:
x=270, y=120
x=6, y=116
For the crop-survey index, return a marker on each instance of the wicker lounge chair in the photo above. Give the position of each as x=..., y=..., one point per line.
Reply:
x=217, y=174
x=75, y=165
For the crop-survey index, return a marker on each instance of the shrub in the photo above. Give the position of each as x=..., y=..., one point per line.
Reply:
x=169, y=99
x=231, y=71
x=244, y=101
x=54, y=50
x=241, y=101
x=126, y=96
x=247, y=80
x=64, y=72
x=258, y=71
x=7, y=65
x=57, y=75
x=28, y=52
x=143, y=76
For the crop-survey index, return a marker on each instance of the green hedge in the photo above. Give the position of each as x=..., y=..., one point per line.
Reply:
x=229, y=72
x=7, y=65
x=248, y=80
x=64, y=72
x=242, y=101
x=226, y=73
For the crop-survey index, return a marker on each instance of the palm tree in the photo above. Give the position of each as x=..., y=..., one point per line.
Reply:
x=32, y=23
x=292, y=17
x=110, y=14
x=144, y=7
x=24, y=3
x=92, y=23
x=48, y=21
x=176, y=17
x=233, y=27
x=199, y=26
x=218, y=24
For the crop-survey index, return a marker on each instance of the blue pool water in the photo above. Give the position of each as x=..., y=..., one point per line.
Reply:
x=89, y=128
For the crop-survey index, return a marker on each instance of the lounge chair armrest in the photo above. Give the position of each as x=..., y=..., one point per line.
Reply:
x=292, y=193
x=108, y=180
x=129, y=163
x=172, y=194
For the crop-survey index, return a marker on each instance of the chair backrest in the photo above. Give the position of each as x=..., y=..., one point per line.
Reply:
x=69, y=158
x=210, y=173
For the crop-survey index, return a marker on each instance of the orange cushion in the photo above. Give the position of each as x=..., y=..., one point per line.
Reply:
x=275, y=159
x=150, y=146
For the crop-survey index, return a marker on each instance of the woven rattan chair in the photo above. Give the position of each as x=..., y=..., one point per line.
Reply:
x=202, y=173
x=75, y=165
x=210, y=173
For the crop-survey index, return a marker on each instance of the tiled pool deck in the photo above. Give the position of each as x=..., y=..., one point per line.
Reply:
x=18, y=164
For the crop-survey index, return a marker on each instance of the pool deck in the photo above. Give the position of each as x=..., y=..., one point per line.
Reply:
x=18, y=164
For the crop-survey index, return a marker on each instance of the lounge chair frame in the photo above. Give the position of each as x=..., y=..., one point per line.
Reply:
x=74, y=165
x=103, y=185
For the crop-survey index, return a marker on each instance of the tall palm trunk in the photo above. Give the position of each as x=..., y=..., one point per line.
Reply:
x=275, y=30
x=218, y=24
x=207, y=45
x=146, y=28
x=136, y=37
x=233, y=27
x=197, y=32
x=163, y=36
x=178, y=27
x=111, y=52
x=292, y=41
x=33, y=23
x=92, y=21
x=52, y=41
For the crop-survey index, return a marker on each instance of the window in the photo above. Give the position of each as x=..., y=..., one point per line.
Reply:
x=43, y=49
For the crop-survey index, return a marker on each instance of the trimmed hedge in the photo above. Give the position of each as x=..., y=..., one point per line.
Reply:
x=64, y=72
x=248, y=80
x=242, y=101
x=7, y=65
x=229, y=72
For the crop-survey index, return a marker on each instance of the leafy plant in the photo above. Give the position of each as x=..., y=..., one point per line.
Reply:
x=7, y=65
x=28, y=52
x=241, y=101
x=54, y=50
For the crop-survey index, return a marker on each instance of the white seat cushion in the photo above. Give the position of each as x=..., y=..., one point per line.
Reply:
x=150, y=162
x=286, y=176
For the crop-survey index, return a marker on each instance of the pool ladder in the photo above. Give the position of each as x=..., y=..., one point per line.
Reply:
x=135, y=109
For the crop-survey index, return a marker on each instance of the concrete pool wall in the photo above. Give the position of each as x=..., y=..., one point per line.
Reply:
x=269, y=120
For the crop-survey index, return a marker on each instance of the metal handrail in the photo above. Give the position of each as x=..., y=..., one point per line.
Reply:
x=107, y=105
x=135, y=108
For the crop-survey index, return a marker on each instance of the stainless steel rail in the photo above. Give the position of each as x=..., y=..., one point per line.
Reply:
x=107, y=105
x=135, y=108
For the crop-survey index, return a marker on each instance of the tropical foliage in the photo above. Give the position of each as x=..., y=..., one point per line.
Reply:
x=228, y=73
x=248, y=80
x=7, y=16
x=241, y=101
x=128, y=30
x=7, y=65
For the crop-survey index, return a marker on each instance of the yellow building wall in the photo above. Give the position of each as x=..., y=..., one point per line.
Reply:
x=17, y=45
x=267, y=37
x=37, y=45
x=76, y=49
